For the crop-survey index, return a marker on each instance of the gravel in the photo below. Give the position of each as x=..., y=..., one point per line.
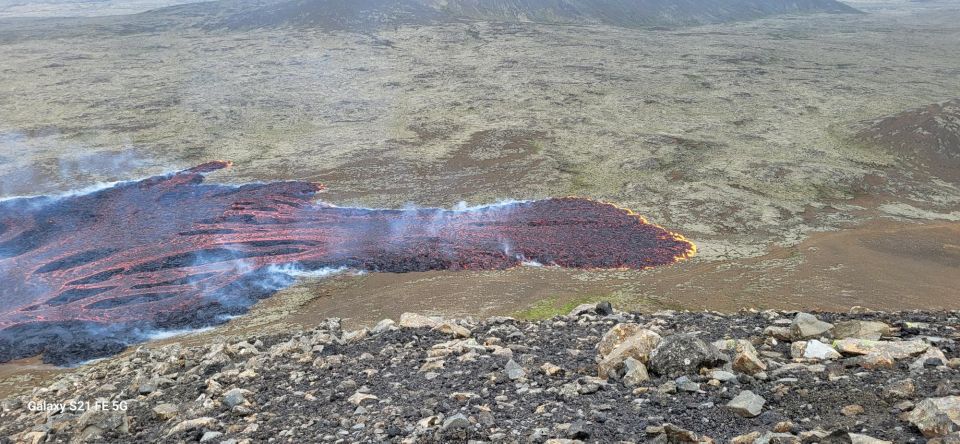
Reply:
x=503, y=380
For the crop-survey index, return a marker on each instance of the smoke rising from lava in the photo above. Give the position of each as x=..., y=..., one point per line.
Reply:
x=84, y=275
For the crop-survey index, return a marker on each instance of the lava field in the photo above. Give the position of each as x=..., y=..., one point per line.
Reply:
x=83, y=276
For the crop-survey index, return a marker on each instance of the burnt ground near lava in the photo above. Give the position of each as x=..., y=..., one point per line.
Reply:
x=85, y=275
x=503, y=380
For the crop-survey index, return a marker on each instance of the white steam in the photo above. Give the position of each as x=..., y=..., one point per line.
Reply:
x=296, y=271
x=90, y=189
x=167, y=334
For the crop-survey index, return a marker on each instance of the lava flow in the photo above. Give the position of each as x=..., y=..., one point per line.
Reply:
x=83, y=276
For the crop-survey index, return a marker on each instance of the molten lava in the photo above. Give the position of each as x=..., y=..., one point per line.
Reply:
x=83, y=276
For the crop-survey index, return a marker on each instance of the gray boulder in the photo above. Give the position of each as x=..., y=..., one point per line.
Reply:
x=683, y=354
x=860, y=329
x=747, y=404
x=806, y=325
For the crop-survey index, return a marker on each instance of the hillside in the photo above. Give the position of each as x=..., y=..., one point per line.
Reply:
x=374, y=14
x=928, y=136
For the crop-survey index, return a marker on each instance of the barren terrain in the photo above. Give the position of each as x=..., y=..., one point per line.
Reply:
x=740, y=136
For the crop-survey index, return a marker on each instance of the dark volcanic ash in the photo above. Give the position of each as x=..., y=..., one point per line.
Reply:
x=82, y=276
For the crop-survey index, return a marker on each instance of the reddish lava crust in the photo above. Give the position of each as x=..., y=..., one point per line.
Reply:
x=83, y=276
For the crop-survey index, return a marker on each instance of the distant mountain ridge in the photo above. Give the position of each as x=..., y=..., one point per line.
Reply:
x=373, y=14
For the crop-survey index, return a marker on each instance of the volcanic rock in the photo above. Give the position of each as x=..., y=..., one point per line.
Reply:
x=777, y=438
x=514, y=371
x=383, y=326
x=784, y=427
x=932, y=357
x=636, y=373
x=937, y=416
x=166, y=411
x=904, y=388
x=748, y=438
x=94, y=422
x=194, y=424
x=894, y=349
x=369, y=390
x=746, y=404
x=745, y=359
x=683, y=354
x=780, y=333
x=452, y=329
x=814, y=349
x=806, y=325
x=685, y=384
x=235, y=397
x=551, y=369
x=210, y=436
x=858, y=329
x=600, y=308
x=416, y=320
x=455, y=422
x=147, y=388
x=672, y=434
x=578, y=430
x=856, y=438
x=624, y=341
x=852, y=410
x=432, y=364
x=619, y=333
x=723, y=376
x=354, y=336
x=358, y=398
x=877, y=360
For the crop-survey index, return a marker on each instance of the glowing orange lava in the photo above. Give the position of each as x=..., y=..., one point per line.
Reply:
x=85, y=275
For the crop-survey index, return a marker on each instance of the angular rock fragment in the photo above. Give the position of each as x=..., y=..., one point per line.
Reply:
x=747, y=404
x=806, y=325
x=452, y=329
x=624, y=341
x=672, y=434
x=895, y=349
x=165, y=411
x=636, y=373
x=818, y=350
x=858, y=329
x=514, y=371
x=936, y=417
x=415, y=320
x=933, y=357
x=383, y=326
x=359, y=398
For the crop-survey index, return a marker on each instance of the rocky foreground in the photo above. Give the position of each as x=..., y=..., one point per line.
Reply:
x=596, y=375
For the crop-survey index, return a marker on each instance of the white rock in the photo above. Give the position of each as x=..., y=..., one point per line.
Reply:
x=414, y=320
x=358, y=398
x=818, y=350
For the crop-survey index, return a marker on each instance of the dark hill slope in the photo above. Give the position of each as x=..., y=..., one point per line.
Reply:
x=928, y=136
